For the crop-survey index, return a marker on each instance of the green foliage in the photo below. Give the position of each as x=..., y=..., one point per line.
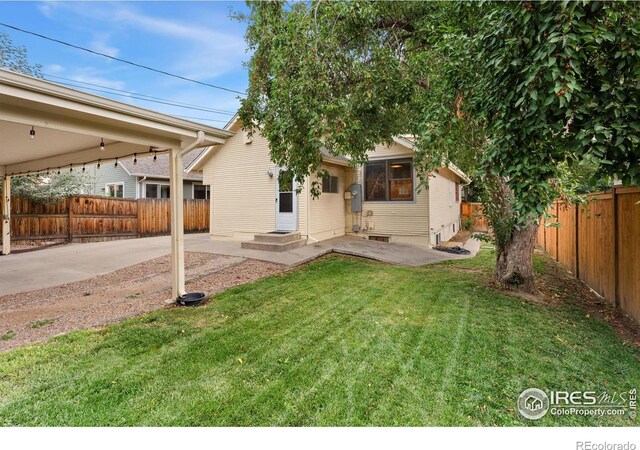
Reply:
x=13, y=57
x=531, y=93
x=51, y=188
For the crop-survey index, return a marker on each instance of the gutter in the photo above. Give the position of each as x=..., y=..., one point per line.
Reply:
x=199, y=140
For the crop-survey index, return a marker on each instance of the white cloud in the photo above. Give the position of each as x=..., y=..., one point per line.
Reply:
x=54, y=69
x=99, y=44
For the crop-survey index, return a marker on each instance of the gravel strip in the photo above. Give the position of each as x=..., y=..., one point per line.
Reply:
x=37, y=315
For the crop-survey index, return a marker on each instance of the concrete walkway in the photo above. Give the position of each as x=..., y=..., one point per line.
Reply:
x=60, y=265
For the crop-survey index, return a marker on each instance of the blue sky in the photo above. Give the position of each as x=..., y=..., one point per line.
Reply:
x=194, y=39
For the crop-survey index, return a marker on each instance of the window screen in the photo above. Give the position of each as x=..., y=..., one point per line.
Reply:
x=330, y=184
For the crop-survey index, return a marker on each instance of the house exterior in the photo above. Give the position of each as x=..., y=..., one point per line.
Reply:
x=146, y=178
x=379, y=200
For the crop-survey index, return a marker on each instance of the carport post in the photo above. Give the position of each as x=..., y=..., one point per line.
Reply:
x=176, y=167
x=6, y=212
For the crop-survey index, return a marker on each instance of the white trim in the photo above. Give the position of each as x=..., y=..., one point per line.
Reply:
x=114, y=183
x=294, y=201
x=159, y=183
x=200, y=183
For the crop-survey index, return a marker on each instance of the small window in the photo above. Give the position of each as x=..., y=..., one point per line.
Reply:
x=201, y=192
x=151, y=191
x=157, y=190
x=330, y=184
x=390, y=180
x=114, y=190
x=457, y=192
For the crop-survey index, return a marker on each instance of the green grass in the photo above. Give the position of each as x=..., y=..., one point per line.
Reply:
x=339, y=342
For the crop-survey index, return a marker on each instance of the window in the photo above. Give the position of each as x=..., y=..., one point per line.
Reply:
x=114, y=190
x=390, y=180
x=157, y=190
x=457, y=192
x=330, y=184
x=201, y=191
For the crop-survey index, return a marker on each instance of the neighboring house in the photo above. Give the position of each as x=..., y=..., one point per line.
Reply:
x=146, y=178
x=377, y=201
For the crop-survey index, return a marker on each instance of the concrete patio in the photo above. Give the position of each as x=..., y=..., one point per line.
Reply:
x=60, y=265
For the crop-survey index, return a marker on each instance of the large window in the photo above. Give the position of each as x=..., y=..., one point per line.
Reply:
x=114, y=190
x=201, y=192
x=157, y=190
x=390, y=180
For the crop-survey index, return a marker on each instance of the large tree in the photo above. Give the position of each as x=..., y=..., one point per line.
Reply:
x=520, y=94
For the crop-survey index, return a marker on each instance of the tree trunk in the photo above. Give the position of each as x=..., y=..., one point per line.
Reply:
x=514, y=260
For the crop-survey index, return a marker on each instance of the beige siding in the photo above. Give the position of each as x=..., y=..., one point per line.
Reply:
x=327, y=212
x=401, y=221
x=242, y=194
x=444, y=210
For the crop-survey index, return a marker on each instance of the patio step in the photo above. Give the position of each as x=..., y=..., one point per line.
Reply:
x=278, y=238
x=273, y=246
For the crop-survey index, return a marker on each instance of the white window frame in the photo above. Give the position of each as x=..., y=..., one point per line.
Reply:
x=115, y=183
x=193, y=190
x=159, y=183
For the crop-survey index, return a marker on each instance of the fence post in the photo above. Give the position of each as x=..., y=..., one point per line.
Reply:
x=138, y=217
x=614, y=204
x=577, y=243
x=70, y=206
x=557, y=208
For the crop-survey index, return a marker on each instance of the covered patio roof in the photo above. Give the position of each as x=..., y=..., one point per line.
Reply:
x=69, y=127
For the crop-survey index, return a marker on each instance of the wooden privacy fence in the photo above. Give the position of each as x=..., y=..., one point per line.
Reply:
x=473, y=211
x=600, y=244
x=87, y=218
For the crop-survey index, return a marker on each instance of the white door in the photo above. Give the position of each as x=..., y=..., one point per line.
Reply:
x=286, y=202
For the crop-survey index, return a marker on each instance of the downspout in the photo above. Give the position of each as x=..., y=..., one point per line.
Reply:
x=140, y=181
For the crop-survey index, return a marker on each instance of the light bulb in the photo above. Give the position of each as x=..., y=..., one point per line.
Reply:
x=32, y=133
x=101, y=144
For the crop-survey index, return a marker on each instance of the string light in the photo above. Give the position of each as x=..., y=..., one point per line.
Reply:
x=83, y=168
x=135, y=159
x=101, y=144
x=32, y=133
x=99, y=163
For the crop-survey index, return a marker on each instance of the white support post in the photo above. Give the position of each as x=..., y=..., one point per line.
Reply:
x=6, y=215
x=177, y=223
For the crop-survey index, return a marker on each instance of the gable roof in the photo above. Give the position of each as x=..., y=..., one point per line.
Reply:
x=147, y=167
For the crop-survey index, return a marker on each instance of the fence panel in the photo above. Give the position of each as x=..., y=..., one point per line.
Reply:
x=596, y=252
x=473, y=211
x=628, y=250
x=86, y=218
x=566, y=236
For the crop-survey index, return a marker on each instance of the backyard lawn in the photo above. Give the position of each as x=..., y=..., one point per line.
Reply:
x=339, y=342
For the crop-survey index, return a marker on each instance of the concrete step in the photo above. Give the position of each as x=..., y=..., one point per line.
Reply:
x=277, y=238
x=273, y=246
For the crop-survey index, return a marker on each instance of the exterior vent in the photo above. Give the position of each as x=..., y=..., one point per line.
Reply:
x=379, y=238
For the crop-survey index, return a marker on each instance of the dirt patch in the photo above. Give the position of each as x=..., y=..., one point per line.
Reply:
x=556, y=285
x=38, y=315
